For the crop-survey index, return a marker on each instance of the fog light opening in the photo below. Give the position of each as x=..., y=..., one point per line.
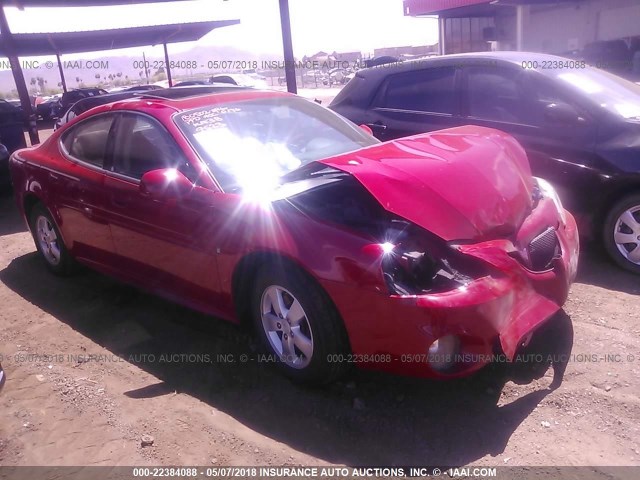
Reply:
x=443, y=353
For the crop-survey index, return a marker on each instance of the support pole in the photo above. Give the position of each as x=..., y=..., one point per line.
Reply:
x=146, y=70
x=18, y=77
x=168, y=67
x=60, y=69
x=520, y=16
x=442, y=30
x=289, y=60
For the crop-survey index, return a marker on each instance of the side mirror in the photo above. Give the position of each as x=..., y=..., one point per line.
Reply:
x=561, y=113
x=165, y=183
x=367, y=129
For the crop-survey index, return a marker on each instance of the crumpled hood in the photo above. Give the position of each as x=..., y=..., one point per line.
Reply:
x=464, y=183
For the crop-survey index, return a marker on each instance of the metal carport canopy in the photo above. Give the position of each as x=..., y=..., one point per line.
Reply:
x=9, y=47
x=285, y=23
x=59, y=43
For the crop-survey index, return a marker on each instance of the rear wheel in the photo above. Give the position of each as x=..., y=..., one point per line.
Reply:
x=298, y=325
x=622, y=233
x=49, y=241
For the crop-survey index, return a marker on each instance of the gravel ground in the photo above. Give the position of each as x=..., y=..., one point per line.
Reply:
x=83, y=388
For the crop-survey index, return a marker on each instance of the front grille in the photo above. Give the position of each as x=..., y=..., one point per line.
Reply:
x=543, y=250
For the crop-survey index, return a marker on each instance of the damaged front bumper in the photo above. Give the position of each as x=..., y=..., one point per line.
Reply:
x=453, y=333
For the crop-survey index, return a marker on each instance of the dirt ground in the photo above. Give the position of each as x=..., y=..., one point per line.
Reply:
x=93, y=365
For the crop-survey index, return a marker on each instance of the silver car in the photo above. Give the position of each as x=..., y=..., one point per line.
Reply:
x=2, y=377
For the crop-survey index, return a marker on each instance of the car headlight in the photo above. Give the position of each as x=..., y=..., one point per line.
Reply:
x=547, y=190
x=416, y=262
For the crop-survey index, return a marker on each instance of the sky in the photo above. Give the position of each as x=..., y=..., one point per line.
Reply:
x=341, y=25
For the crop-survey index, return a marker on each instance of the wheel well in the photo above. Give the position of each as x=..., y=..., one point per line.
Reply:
x=246, y=272
x=30, y=200
x=612, y=199
x=244, y=275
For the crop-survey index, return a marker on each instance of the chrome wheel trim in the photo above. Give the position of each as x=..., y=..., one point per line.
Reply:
x=48, y=240
x=626, y=234
x=286, y=326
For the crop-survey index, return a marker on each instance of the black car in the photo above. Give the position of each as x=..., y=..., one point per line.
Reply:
x=72, y=96
x=2, y=377
x=191, y=83
x=142, y=88
x=579, y=125
x=88, y=103
x=47, y=109
x=11, y=126
x=5, y=179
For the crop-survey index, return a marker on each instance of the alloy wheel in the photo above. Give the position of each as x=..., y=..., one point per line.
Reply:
x=286, y=326
x=48, y=240
x=626, y=234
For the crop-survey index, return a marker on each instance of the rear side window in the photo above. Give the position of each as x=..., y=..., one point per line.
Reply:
x=87, y=141
x=428, y=90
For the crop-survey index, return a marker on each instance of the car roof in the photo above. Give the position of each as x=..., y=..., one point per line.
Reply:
x=85, y=89
x=189, y=91
x=187, y=98
x=96, y=100
x=513, y=57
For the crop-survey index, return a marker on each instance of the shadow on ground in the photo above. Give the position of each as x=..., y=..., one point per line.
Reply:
x=10, y=220
x=595, y=268
x=403, y=421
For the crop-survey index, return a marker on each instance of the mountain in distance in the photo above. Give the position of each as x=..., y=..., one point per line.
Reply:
x=204, y=58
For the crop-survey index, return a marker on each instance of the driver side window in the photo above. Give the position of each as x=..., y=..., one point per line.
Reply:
x=141, y=145
x=544, y=93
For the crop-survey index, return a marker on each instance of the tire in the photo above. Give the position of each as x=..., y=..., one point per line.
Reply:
x=623, y=223
x=318, y=331
x=49, y=242
x=550, y=346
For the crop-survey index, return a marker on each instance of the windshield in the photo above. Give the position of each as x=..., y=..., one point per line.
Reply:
x=252, y=144
x=609, y=91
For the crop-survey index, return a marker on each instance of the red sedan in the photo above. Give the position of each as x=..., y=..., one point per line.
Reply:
x=426, y=255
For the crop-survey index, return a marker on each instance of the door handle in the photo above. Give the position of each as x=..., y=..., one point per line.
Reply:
x=377, y=126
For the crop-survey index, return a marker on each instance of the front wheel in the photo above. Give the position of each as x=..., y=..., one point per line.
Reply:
x=298, y=325
x=622, y=233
